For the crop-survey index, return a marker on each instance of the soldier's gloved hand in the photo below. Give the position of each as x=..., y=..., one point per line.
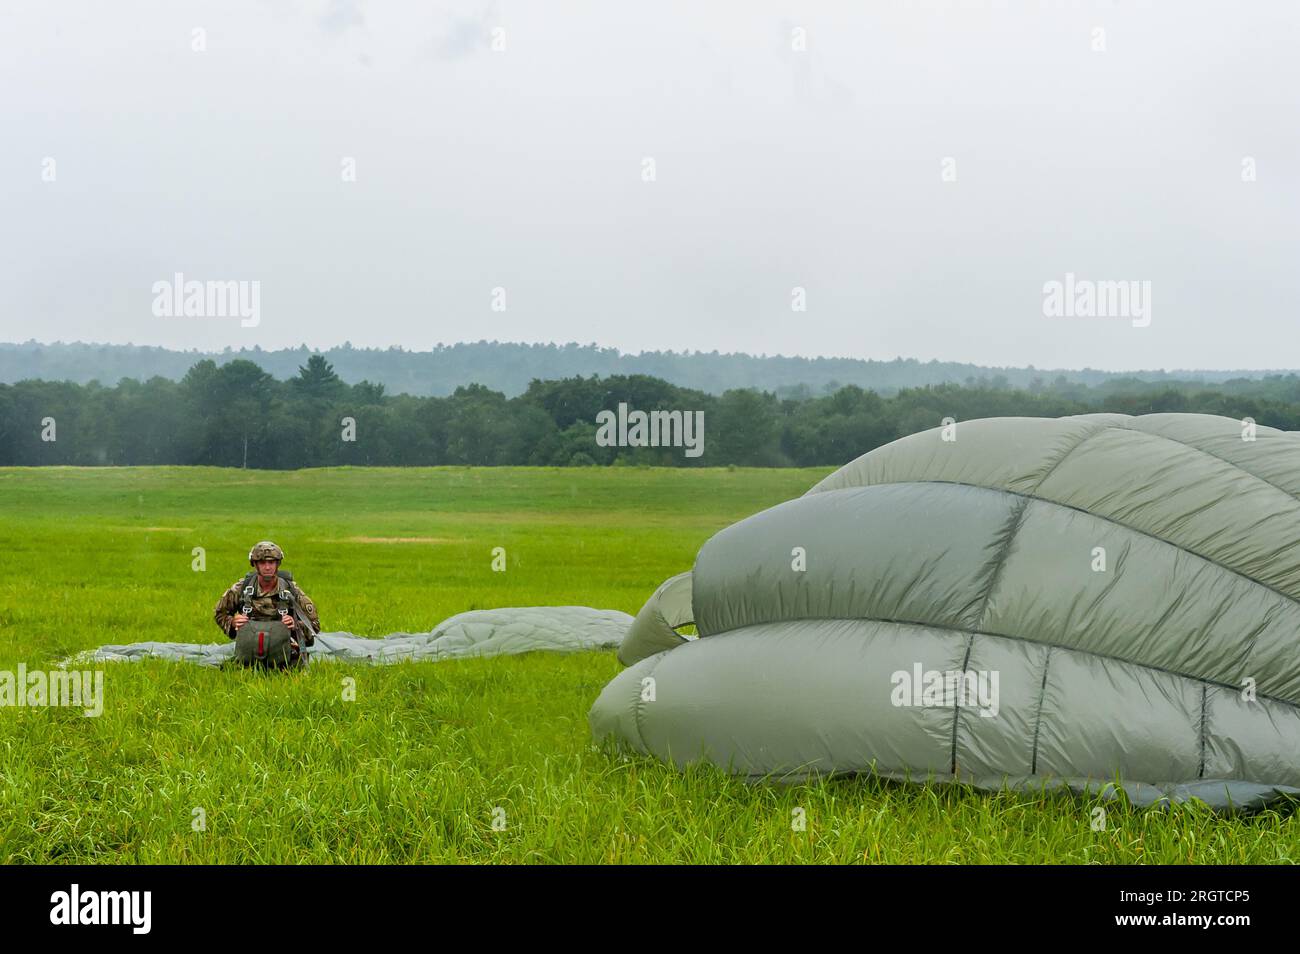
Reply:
x=239, y=620
x=287, y=620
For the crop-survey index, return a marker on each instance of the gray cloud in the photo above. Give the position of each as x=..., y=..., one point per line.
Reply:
x=523, y=170
x=466, y=35
x=339, y=15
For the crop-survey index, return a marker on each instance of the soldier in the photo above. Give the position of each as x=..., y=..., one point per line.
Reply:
x=258, y=613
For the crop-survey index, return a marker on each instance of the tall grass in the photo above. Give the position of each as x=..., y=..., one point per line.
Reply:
x=481, y=760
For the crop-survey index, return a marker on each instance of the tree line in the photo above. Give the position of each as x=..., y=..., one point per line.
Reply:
x=509, y=367
x=238, y=415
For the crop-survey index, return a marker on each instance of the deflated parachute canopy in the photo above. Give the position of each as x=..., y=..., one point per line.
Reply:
x=478, y=633
x=1013, y=601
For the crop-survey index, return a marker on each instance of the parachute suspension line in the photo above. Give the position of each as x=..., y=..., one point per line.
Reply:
x=1038, y=717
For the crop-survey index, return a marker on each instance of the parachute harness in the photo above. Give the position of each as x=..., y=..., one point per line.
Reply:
x=284, y=606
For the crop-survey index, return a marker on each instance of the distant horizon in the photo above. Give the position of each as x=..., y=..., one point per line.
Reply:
x=347, y=345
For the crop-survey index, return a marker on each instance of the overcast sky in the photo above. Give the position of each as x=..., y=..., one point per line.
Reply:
x=1111, y=141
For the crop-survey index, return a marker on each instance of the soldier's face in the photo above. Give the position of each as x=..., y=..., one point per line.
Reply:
x=266, y=568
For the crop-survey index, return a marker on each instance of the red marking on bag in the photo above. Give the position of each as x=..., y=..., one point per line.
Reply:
x=261, y=646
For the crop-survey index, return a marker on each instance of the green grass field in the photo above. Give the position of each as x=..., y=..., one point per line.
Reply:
x=281, y=769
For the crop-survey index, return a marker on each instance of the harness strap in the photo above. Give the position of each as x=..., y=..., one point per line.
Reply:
x=285, y=594
x=287, y=601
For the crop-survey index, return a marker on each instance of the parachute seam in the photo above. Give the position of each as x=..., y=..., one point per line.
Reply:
x=1038, y=716
x=1061, y=460
x=1110, y=520
x=1112, y=425
x=1020, y=639
x=1240, y=469
x=1005, y=549
x=1205, y=692
x=956, y=704
x=1109, y=426
x=1201, y=450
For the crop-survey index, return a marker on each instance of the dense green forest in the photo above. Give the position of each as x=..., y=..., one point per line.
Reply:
x=236, y=414
x=510, y=366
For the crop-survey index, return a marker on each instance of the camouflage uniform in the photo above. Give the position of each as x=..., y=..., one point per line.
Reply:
x=264, y=605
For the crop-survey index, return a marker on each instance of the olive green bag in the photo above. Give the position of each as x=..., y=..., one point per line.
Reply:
x=265, y=642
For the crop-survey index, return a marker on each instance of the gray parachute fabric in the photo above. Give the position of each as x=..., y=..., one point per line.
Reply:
x=494, y=632
x=1093, y=603
x=655, y=627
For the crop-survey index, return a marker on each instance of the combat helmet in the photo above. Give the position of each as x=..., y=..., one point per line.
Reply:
x=265, y=550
